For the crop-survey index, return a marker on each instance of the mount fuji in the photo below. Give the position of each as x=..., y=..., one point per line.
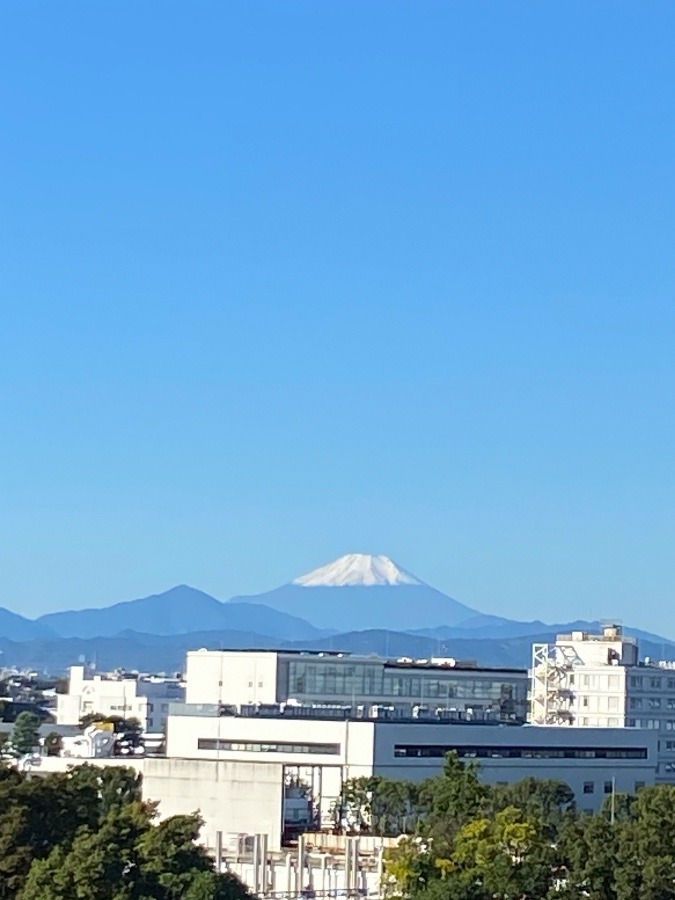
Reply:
x=360, y=591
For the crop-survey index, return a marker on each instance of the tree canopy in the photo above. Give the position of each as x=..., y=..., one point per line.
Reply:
x=86, y=835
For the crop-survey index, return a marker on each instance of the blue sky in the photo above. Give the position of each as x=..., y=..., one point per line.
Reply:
x=286, y=280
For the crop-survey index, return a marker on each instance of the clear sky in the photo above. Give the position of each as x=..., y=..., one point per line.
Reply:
x=285, y=280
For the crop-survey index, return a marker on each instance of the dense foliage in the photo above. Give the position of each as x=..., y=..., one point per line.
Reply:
x=86, y=835
x=465, y=840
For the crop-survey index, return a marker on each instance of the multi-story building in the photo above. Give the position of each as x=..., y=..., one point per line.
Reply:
x=367, y=685
x=596, y=680
x=145, y=698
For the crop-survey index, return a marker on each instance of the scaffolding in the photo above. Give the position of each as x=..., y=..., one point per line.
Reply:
x=552, y=693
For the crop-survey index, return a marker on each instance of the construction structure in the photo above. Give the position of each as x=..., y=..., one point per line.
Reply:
x=581, y=678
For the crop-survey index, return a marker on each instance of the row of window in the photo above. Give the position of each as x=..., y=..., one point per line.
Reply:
x=652, y=724
x=593, y=721
x=267, y=747
x=601, y=703
x=491, y=752
x=652, y=702
x=603, y=682
x=645, y=682
x=364, y=681
x=608, y=787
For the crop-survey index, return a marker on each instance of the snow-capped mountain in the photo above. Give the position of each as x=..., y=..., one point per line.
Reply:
x=360, y=591
x=357, y=568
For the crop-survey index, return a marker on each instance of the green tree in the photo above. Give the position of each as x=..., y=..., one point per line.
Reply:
x=506, y=857
x=452, y=799
x=25, y=733
x=587, y=856
x=101, y=864
x=213, y=886
x=550, y=801
x=129, y=858
x=36, y=815
x=646, y=849
x=114, y=786
x=53, y=743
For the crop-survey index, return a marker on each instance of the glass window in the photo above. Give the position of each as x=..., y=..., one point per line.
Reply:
x=589, y=787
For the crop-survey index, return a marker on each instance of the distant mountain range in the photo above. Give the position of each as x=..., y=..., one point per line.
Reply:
x=177, y=611
x=359, y=603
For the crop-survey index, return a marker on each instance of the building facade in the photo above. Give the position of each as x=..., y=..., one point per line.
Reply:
x=130, y=696
x=596, y=680
x=325, y=752
x=403, y=687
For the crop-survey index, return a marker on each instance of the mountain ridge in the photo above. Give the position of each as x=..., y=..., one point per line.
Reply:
x=359, y=603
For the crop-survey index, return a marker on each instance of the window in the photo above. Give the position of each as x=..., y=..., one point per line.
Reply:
x=654, y=682
x=636, y=681
x=487, y=751
x=608, y=786
x=613, y=723
x=150, y=723
x=639, y=785
x=151, y=708
x=589, y=787
x=260, y=747
x=584, y=701
x=655, y=703
x=613, y=704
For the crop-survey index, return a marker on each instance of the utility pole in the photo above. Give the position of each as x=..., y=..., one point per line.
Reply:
x=611, y=813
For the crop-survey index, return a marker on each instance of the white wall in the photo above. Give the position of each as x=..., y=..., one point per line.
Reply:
x=231, y=796
x=231, y=677
x=354, y=740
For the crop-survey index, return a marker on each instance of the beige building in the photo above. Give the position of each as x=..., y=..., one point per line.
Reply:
x=596, y=681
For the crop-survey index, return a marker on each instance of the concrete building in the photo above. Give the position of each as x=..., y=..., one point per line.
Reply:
x=323, y=753
x=146, y=698
x=596, y=680
x=402, y=687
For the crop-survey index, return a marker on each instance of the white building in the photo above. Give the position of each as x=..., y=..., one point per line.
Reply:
x=595, y=680
x=146, y=698
x=403, y=687
x=324, y=752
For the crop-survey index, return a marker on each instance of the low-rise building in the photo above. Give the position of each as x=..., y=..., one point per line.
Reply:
x=146, y=698
x=325, y=752
x=402, y=686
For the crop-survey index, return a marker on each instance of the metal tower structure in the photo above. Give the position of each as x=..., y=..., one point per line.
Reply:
x=552, y=684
